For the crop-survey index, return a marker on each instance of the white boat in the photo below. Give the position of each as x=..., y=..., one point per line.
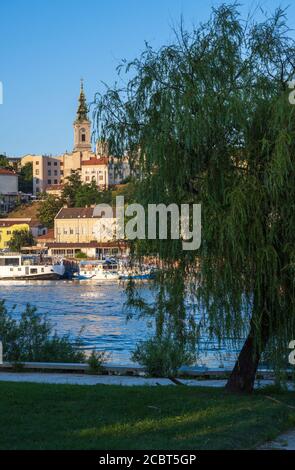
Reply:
x=17, y=266
x=112, y=270
x=137, y=272
x=98, y=271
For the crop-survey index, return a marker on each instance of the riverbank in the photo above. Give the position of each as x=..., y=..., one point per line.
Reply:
x=42, y=416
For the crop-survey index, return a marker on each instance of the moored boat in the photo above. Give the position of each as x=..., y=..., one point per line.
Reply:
x=137, y=273
x=14, y=266
x=112, y=270
x=98, y=270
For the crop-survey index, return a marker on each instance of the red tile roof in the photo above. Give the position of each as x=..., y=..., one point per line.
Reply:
x=95, y=161
x=48, y=236
x=5, y=171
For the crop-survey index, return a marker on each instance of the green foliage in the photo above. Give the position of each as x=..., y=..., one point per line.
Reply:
x=32, y=339
x=21, y=238
x=162, y=357
x=207, y=120
x=81, y=255
x=96, y=361
x=128, y=190
x=72, y=186
x=88, y=194
x=4, y=162
x=78, y=194
x=25, y=180
x=48, y=210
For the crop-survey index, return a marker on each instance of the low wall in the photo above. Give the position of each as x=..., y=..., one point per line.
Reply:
x=201, y=372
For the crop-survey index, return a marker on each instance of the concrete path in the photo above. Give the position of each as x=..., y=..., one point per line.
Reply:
x=80, y=379
x=285, y=441
x=84, y=379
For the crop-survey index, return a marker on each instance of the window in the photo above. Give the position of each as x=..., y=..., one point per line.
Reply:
x=71, y=231
x=37, y=163
x=49, y=163
x=55, y=163
x=49, y=181
x=83, y=135
x=55, y=172
x=55, y=181
x=49, y=172
x=37, y=180
x=37, y=172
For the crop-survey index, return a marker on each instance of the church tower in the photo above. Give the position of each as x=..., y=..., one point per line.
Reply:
x=82, y=125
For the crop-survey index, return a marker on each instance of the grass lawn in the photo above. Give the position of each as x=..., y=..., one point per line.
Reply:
x=37, y=416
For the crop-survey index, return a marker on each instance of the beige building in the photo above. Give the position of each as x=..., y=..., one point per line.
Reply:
x=80, y=225
x=46, y=171
x=96, y=169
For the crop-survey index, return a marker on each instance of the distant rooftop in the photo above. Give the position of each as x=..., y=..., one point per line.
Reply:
x=79, y=213
x=95, y=161
x=5, y=171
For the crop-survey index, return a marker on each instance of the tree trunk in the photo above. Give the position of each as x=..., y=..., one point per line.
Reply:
x=243, y=374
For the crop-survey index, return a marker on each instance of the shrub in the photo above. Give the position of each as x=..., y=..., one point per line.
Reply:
x=96, y=361
x=162, y=357
x=31, y=338
x=81, y=255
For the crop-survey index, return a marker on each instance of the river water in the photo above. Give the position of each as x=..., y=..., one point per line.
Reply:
x=98, y=309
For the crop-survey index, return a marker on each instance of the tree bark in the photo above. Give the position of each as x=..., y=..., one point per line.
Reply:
x=243, y=375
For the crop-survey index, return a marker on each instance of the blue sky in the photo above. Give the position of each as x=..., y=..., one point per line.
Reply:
x=48, y=45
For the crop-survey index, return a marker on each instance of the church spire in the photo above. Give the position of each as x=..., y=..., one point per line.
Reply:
x=82, y=107
x=82, y=125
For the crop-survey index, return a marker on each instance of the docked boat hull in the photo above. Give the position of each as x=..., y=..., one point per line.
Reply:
x=19, y=267
x=37, y=277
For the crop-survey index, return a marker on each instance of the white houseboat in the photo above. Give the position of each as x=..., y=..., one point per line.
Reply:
x=17, y=266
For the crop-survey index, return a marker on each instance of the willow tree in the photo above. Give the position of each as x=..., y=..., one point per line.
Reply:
x=207, y=120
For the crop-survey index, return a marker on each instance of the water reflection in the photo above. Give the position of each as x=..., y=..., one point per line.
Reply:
x=97, y=309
